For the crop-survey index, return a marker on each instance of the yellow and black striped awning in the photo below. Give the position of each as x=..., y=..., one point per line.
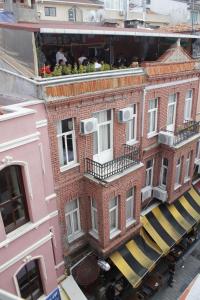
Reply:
x=136, y=258
x=167, y=224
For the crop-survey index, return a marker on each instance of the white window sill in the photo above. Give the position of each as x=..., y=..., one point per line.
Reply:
x=186, y=179
x=130, y=222
x=186, y=120
x=151, y=135
x=94, y=234
x=114, y=233
x=68, y=167
x=177, y=186
x=75, y=237
x=131, y=143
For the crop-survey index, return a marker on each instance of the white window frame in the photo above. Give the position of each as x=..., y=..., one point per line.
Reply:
x=188, y=105
x=187, y=167
x=75, y=234
x=178, y=173
x=170, y=127
x=61, y=150
x=151, y=111
x=115, y=209
x=163, y=167
x=116, y=5
x=130, y=199
x=129, y=126
x=94, y=214
x=50, y=11
x=149, y=172
x=99, y=146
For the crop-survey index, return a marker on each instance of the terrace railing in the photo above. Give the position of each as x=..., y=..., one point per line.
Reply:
x=115, y=166
x=190, y=129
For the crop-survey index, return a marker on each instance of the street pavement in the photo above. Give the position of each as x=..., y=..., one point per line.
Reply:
x=186, y=270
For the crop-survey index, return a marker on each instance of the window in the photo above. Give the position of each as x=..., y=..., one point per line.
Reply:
x=131, y=127
x=72, y=14
x=94, y=215
x=187, y=167
x=66, y=142
x=149, y=172
x=113, y=214
x=152, y=116
x=103, y=137
x=148, y=2
x=171, y=113
x=12, y=198
x=114, y=4
x=194, y=17
x=50, y=11
x=72, y=216
x=188, y=105
x=163, y=177
x=177, y=173
x=198, y=150
x=129, y=206
x=29, y=281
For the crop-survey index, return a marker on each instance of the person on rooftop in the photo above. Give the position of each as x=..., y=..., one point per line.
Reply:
x=60, y=55
x=81, y=58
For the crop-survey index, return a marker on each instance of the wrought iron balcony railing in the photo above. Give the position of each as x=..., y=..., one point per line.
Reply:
x=170, y=138
x=115, y=166
x=190, y=128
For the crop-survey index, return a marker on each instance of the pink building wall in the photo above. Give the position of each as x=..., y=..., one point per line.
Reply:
x=24, y=141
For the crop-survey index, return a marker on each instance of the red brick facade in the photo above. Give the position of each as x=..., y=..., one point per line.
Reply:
x=73, y=183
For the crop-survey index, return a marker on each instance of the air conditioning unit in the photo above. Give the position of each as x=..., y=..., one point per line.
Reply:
x=121, y=12
x=88, y=125
x=146, y=192
x=125, y=114
x=160, y=194
x=166, y=138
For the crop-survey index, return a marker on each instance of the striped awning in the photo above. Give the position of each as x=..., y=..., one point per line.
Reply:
x=136, y=258
x=167, y=224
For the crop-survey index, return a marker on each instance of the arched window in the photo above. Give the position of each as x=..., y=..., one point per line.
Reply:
x=12, y=198
x=29, y=281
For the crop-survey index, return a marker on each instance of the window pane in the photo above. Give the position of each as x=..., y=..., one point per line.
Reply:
x=113, y=220
x=149, y=163
x=129, y=193
x=104, y=137
x=67, y=125
x=170, y=116
x=75, y=220
x=164, y=179
x=113, y=202
x=129, y=209
x=94, y=204
x=69, y=225
x=165, y=162
x=70, y=147
x=72, y=205
x=95, y=143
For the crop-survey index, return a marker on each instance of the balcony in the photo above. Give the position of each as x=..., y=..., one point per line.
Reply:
x=115, y=166
x=173, y=139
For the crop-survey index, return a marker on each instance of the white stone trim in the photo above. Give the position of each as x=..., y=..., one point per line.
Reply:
x=59, y=265
x=15, y=111
x=12, y=236
x=19, y=142
x=168, y=84
x=50, y=197
x=42, y=157
x=41, y=123
x=24, y=253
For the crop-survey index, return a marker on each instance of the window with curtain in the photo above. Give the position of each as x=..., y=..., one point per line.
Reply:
x=50, y=11
x=152, y=116
x=72, y=217
x=177, y=173
x=187, y=167
x=188, y=106
x=171, y=113
x=113, y=215
x=149, y=172
x=129, y=206
x=29, y=281
x=66, y=142
x=13, y=205
x=163, y=175
x=131, y=127
x=103, y=135
x=94, y=215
